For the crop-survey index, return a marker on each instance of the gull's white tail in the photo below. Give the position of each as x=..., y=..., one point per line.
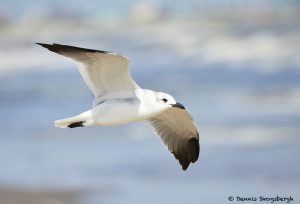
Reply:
x=81, y=120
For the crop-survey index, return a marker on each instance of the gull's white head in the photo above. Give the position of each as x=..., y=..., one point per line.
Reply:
x=156, y=102
x=166, y=101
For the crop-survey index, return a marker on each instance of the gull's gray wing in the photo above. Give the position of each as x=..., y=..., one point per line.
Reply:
x=105, y=73
x=179, y=132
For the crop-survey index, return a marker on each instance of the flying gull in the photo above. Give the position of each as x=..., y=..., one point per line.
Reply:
x=119, y=100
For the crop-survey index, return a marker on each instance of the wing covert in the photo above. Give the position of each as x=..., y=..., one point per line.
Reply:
x=105, y=73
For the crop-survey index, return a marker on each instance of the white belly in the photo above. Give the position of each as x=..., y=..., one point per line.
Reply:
x=117, y=112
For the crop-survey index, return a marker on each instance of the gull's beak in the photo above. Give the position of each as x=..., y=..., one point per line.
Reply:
x=178, y=105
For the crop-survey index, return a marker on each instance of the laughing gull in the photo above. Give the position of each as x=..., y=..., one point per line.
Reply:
x=119, y=100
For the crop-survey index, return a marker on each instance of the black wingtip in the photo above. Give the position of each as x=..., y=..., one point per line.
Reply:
x=184, y=167
x=195, y=149
x=43, y=44
x=48, y=46
x=56, y=47
x=60, y=48
x=193, y=154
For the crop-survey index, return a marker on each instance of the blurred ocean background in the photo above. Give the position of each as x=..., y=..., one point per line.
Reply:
x=234, y=64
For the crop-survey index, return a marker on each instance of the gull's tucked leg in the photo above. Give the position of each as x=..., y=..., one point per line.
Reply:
x=76, y=124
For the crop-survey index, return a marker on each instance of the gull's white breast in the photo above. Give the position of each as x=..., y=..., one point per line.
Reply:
x=117, y=111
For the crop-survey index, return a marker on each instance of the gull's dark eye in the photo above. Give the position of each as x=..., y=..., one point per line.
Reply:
x=165, y=100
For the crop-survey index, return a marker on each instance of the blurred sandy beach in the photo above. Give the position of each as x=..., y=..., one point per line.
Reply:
x=235, y=65
x=12, y=196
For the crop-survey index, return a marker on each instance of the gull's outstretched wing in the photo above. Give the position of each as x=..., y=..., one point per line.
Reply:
x=179, y=132
x=105, y=73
